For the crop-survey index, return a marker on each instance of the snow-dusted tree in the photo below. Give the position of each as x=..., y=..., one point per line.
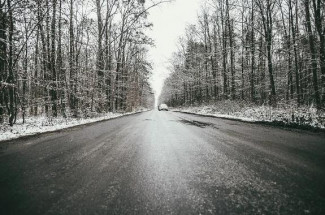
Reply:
x=265, y=52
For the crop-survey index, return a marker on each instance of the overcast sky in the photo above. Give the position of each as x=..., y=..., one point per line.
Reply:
x=169, y=23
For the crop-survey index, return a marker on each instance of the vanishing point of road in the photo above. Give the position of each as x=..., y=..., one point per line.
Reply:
x=165, y=163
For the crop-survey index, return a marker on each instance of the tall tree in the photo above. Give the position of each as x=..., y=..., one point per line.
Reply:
x=266, y=9
x=3, y=57
x=319, y=13
x=53, y=91
x=313, y=54
x=10, y=80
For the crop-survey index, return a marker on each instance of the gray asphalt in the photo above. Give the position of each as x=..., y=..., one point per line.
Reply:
x=165, y=163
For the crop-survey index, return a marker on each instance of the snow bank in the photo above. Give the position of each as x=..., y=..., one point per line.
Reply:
x=42, y=124
x=288, y=115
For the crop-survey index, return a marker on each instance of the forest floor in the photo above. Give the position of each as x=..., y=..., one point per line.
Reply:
x=41, y=124
x=284, y=115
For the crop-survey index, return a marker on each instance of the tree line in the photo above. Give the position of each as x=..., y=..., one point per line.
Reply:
x=73, y=58
x=261, y=51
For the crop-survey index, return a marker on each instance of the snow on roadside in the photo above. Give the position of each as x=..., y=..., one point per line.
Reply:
x=42, y=124
x=303, y=116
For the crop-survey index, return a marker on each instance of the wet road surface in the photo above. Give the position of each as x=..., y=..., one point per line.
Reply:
x=165, y=163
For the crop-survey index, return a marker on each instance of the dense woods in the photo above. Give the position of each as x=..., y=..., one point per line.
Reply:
x=73, y=58
x=265, y=52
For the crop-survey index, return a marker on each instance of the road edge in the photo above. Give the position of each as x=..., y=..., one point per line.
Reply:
x=28, y=136
x=278, y=124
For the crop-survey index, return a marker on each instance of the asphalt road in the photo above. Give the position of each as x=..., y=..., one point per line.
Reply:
x=165, y=163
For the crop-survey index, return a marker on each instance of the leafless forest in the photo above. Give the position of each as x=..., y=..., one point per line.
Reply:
x=269, y=52
x=73, y=57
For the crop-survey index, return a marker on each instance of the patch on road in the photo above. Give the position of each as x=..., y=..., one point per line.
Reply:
x=196, y=123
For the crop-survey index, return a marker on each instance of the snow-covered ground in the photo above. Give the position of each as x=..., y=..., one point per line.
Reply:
x=289, y=115
x=42, y=124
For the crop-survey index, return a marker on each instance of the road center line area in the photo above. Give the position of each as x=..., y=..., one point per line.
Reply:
x=165, y=163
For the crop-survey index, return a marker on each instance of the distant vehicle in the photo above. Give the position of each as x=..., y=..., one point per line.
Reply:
x=163, y=107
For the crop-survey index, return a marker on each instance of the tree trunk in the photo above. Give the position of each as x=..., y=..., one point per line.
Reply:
x=294, y=31
x=11, y=82
x=313, y=54
x=266, y=14
x=3, y=59
x=321, y=33
x=252, y=40
x=224, y=56
x=231, y=46
x=53, y=91
x=60, y=71
x=99, y=63
x=72, y=87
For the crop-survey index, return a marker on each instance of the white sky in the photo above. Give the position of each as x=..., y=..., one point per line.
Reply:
x=169, y=20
